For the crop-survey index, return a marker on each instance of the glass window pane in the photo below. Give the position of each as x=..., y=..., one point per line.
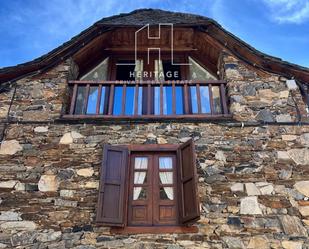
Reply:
x=139, y=193
x=166, y=193
x=138, y=70
x=125, y=70
x=216, y=98
x=159, y=72
x=92, y=100
x=205, y=103
x=141, y=163
x=165, y=163
x=80, y=100
x=129, y=110
x=99, y=72
x=167, y=98
x=157, y=100
x=166, y=177
x=179, y=99
x=140, y=100
x=194, y=99
x=102, y=99
x=140, y=177
x=197, y=72
x=117, y=100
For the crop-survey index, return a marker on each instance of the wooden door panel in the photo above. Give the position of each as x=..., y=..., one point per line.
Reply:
x=139, y=214
x=165, y=209
x=140, y=202
x=167, y=213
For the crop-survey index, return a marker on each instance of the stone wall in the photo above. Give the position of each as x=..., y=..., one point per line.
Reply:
x=259, y=96
x=253, y=185
x=253, y=180
x=38, y=98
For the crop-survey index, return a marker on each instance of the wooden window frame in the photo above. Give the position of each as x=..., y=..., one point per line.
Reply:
x=181, y=228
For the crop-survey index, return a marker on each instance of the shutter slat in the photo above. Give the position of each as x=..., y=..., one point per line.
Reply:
x=187, y=184
x=112, y=194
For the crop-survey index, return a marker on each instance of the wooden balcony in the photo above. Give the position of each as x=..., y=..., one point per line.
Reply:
x=154, y=100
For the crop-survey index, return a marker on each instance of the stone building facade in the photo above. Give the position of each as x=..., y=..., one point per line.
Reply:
x=253, y=174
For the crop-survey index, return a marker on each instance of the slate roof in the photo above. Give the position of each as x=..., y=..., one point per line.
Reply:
x=138, y=18
x=154, y=16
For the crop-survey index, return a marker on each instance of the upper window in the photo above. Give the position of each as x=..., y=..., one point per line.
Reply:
x=152, y=187
x=127, y=88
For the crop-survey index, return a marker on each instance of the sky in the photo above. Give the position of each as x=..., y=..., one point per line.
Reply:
x=31, y=28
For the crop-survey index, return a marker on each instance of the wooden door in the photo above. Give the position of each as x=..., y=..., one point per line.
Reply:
x=152, y=193
x=165, y=204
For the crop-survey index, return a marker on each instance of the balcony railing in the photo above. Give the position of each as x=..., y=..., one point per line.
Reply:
x=148, y=99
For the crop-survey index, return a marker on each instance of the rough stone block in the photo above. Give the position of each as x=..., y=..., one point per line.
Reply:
x=233, y=242
x=289, y=137
x=250, y=205
x=10, y=147
x=19, y=225
x=23, y=238
x=299, y=156
x=260, y=242
x=237, y=187
x=49, y=236
x=304, y=139
x=291, y=84
x=8, y=184
x=302, y=187
x=304, y=210
x=66, y=138
x=65, y=203
x=292, y=226
x=265, y=115
x=41, y=129
x=9, y=216
x=282, y=118
x=292, y=244
x=48, y=183
x=283, y=156
x=86, y=172
x=252, y=189
x=67, y=193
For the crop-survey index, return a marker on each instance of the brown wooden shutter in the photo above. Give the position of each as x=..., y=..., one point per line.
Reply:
x=187, y=183
x=112, y=191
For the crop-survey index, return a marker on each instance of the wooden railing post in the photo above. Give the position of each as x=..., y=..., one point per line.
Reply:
x=99, y=99
x=186, y=98
x=86, y=100
x=136, y=99
x=111, y=100
x=211, y=99
x=149, y=99
x=173, y=97
x=198, y=96
x=161, y=99
x=123, y=101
